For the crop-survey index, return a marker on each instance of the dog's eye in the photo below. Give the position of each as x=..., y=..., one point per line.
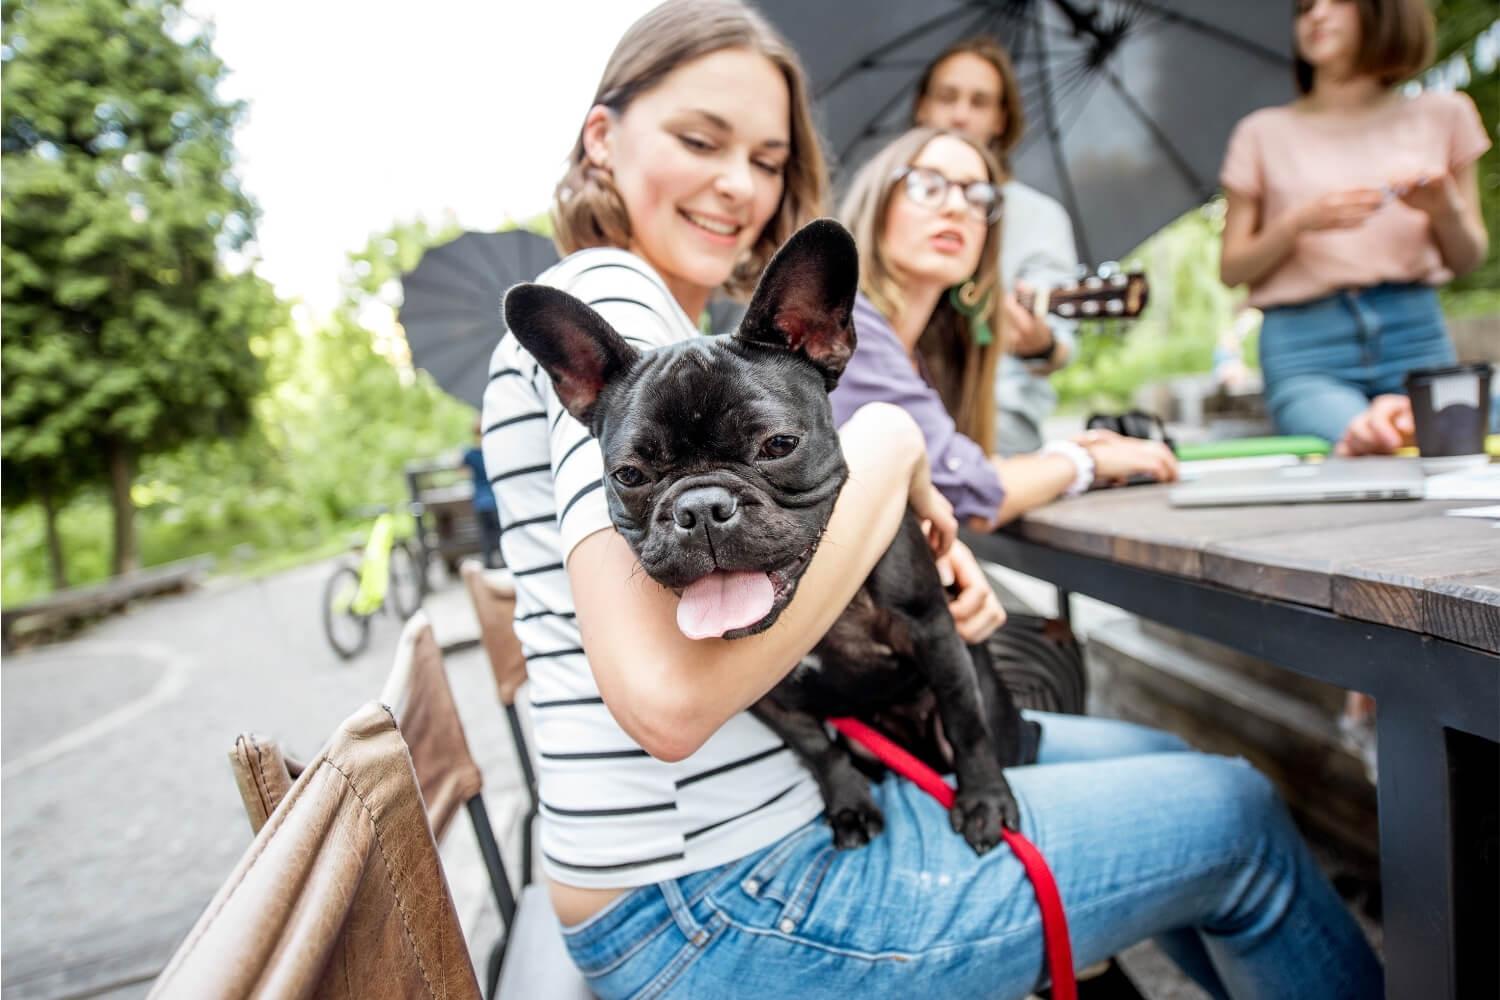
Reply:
x=778, y=446
x=629, y=476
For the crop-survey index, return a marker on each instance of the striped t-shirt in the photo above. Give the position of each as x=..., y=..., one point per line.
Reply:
x=612, y=815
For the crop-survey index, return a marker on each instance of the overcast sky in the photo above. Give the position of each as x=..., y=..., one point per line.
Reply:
x=366, y=113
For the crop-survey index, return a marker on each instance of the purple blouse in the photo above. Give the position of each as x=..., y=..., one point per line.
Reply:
x=881, y=371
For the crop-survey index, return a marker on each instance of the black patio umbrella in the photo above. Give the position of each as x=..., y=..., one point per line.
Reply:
x=451, y=304
x=1129, y=103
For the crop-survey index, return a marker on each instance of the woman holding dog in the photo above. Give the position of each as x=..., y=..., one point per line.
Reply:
x=1346, y=208
x=926, y=212
x=683, y=845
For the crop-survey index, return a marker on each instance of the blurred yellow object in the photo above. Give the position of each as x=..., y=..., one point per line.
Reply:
x=1491, y=447
x=1410, y=451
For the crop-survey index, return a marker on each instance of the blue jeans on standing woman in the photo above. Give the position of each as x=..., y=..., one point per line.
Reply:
x=1145, y=838
x=1324, y=360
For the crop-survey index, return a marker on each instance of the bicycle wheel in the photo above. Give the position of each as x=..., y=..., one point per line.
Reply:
x=408, y=584
x=348, y=631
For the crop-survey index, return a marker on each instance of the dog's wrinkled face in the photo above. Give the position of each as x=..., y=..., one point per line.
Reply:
x=722, y=462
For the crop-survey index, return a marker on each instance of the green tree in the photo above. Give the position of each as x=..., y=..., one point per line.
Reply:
x=127, y=332
x=1459, y=22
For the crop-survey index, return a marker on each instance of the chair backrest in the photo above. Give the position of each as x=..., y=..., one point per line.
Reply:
x=417, y=692
x=264, y=775
x=341, y=894
x=493, y=594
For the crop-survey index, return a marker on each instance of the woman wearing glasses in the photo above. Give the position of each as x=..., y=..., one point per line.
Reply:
x=926, y=213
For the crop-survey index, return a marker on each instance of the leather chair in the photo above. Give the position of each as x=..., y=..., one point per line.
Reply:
x=341, y=896
x=418, y=694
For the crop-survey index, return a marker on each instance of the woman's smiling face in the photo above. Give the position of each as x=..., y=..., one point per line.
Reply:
x=699, y=161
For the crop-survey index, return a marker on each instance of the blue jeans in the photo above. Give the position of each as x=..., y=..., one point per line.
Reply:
x=1145, y=840
x=1324, y=360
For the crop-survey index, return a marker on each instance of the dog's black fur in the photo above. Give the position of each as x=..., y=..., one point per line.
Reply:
x=721, y=453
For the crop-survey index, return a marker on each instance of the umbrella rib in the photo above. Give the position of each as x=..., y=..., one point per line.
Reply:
x=1050, y=114
x=1177, y=159
x=457, y=311
x=432, y=349
x=895, y=98
x=459, y=262
x=868, y=59
x=1228, y=37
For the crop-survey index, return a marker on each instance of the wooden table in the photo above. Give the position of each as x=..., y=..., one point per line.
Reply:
x=1394, y=599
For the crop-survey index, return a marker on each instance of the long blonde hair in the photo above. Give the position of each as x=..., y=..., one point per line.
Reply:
x=963, y=371
x=587, y=210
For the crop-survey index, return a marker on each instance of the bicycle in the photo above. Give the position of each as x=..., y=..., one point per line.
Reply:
x=354, y=593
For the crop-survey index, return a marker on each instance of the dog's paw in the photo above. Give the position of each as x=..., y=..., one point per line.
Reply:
x=978, y=816
x=855, y=823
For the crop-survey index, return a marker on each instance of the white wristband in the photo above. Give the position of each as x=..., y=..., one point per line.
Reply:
x=1083, y=464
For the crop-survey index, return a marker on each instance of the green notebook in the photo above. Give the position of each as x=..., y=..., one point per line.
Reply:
x=1252, y=447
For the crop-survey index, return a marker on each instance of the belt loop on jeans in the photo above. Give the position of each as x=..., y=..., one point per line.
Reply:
x=682, y=913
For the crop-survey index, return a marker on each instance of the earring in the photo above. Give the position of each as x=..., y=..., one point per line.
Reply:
x=967, y=301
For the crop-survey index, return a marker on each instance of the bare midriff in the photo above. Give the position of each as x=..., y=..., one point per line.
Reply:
x=574, y=905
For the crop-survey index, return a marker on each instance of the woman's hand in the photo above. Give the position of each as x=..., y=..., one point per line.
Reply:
x=1437, y=197
x=1117, y=458
x=975, y=609
x=936, y=515
x=1338, y=210
x=1385, y=425
x=1027, y=335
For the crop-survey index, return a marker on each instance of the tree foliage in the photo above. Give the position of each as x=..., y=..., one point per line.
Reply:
x=1458, y=23
x=127, y=331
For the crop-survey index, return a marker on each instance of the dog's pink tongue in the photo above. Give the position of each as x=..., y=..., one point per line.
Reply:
x=722, y=601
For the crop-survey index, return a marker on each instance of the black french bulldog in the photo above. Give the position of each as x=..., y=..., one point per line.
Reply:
x=723, y=464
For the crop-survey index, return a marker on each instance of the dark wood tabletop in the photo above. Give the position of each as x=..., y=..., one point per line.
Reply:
x=1401, y=563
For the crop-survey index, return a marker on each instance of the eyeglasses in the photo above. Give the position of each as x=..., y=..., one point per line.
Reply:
x=928, y=188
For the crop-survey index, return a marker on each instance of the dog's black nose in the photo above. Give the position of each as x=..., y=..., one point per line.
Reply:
x=708, y=505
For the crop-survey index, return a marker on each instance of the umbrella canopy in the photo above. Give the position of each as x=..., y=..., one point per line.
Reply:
x=451, y=304
x=1129, y=103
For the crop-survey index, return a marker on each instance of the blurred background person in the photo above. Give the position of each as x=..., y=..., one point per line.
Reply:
x=972, y=87
x=925, y=212
x=1346, y=208
x=484, y=499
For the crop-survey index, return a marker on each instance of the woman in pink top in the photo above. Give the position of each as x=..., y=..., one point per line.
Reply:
x=1345, y=209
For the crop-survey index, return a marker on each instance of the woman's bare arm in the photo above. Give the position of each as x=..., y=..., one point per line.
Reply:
x=1252, y=250
x=1452, y=203
x=671, y=693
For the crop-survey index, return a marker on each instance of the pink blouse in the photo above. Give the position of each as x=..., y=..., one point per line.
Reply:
x=1284, y=156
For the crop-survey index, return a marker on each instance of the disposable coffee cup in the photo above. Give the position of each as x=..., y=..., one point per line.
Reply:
x=1451, y=409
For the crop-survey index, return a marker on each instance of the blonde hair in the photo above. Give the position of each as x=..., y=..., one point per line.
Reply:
x=988, y=48
x=963, y=371
x=1396, y=41
x=587, y=210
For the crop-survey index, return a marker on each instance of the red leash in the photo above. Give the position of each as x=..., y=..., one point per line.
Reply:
x=1054, y=921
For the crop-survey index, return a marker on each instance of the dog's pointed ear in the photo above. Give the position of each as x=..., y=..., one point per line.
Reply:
x=805, y=300
x=573, y=344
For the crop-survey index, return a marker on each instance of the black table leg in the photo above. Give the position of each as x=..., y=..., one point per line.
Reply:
x=1416, y=857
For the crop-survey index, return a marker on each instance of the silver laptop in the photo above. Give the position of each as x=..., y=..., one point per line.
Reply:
x=1307, y=482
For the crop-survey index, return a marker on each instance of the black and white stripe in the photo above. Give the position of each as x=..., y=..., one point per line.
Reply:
x=612, y=815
